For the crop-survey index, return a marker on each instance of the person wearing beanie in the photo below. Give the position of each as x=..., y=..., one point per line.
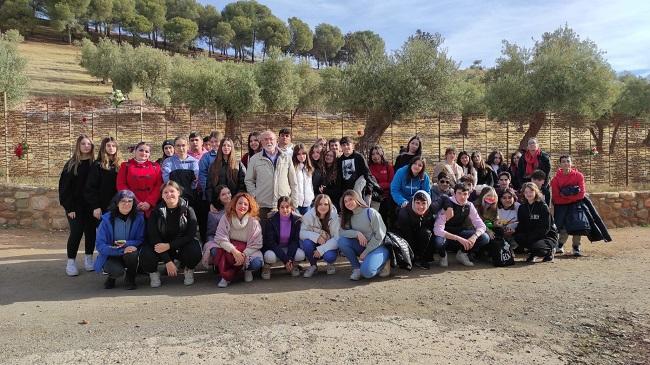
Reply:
x=415, y=224
x=167, y=150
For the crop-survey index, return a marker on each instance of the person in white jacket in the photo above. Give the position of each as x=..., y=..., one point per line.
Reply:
x=304, y=193
x=319, y=234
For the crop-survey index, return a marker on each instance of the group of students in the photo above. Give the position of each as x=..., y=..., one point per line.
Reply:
x=282, y=204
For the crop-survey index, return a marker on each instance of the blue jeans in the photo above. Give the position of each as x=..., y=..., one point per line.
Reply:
x=442, y=244
x=309, y=247
x=372, y=264
x=255, y=264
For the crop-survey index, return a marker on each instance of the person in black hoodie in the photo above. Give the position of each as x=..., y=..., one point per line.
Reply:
x=415, y=224
x=100, y=187
x=78, y=211
x=173, y=234
x=536, y=231
x=351, y=166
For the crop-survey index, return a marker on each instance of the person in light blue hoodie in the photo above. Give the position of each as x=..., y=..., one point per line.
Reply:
x=183, y=169
x=120, y=234
x=408, y=180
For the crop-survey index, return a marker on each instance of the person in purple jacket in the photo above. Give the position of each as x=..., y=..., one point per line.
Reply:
x=282, y=239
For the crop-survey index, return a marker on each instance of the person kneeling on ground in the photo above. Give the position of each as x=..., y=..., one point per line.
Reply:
x=281, y=239
x=415, y=224
x=120, y=233
x=453, y=232
x=173, y=234
x=319, y=234
x=239, y=238
x=362, y=235
x=536, y=231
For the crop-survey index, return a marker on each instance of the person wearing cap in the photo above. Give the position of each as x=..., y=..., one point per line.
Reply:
x=415, y=224
x=119, y=235
x=284, y=141
x=167, y=150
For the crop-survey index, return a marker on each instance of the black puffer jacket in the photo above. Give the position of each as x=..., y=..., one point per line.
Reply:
x=177, y=226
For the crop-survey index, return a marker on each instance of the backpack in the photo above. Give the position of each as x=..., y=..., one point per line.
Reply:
x=501, y=252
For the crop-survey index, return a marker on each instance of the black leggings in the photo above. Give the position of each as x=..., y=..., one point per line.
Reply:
x=540, y=248
x=116, y=266
x=189, y=256
x=84, y=224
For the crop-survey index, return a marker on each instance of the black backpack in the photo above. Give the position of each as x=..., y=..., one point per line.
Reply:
x=501, y=252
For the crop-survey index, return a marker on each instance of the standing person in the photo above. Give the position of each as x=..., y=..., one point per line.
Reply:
x=254, y=146
x=119, y=235
x=567, y=188
x=142, y=177
x=319, y=233
x=413, y=148
x=464, y=230
x=465, y=162
x=334, y=145
x=72, y=184
x=408, y=180
x=284, y=141
x=203, y=200
x=270, y=175
x=383, y=172
x=361, y=237
x=100, y=187
x=415, y=222
x=304, y=172
x=330, y=187
x=172, y=234
x=282, y=239
x=513, y=169
x=196, y=149
x=167, y=150
x=484, y=173
x=533, y=159
x=496, y=162
x=351, y=167
x=535, y=231
x=226, y=170
x=221, y=197
x=183, y=169
x=507, y=212
x=316, y=153
x=449, y=166
x=239, y=238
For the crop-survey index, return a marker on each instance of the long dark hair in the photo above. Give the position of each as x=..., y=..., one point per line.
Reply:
x=470, y=164
x=214, y=199
x=380, y=151
x=424, y=167
x=481, y=165
x=251, y=152
x=419, y=150
x=230, y=163
x=296, y=150
x=346, y=214
x=330, y=171
x=317, y=165
x=114, y=208
x=492, y=156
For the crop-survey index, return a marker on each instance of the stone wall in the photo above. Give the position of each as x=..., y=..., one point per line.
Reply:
x=33, y=207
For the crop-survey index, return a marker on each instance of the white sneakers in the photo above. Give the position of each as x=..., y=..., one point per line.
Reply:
x=266, y=272
x=71, y=268
x=331, y=269
x=444, y=261
x=295, y=271
x=89, y=264
x=311, y=270
x=188, y=277
x=223, y=283
x=356, y=274
x=154, y=279
x=248, y=276
x=463, y=258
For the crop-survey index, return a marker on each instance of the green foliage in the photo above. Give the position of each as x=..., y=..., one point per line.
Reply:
x=123, y=12
x=99, y=59
x=246, y=33
x=181, y=32
x=17, y=14
x=100, y=10
x=310, y=95
x=273, y=33
x=328, y=40
x=153, y=10
x=224, y=35
x=188, y=9
x=209, y=18
x=125, y=70
x=243, y=28
x=139, y=25
x=153, y=68
x=471, y=91
x=67, y=15
x=13, y=80
x=634, y=99
x=301, y=38
x=279, y=82
x=361, y=44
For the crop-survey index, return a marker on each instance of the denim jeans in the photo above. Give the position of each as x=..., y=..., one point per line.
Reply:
x=372, y=264
x=442, y=244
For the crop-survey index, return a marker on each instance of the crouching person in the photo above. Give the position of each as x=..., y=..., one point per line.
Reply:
x=415, y=222
x=536, y=231
x=173, y=234
x=454, y=232
x=120, y=233
x=319, y=233
x=281, y=239
x=361, y=238
x=239, y=239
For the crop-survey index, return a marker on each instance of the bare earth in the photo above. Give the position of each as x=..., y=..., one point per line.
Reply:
x=592, y=310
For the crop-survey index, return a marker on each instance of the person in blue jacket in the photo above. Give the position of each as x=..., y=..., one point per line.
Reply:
x=120, y=233
x=408, y=180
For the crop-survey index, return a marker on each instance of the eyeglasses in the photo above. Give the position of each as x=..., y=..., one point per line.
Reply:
x=443, y=181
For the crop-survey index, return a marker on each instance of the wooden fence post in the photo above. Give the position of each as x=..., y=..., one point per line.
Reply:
x=4, y=112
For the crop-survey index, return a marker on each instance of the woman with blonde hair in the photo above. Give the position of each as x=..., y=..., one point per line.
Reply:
x=304, y=171
x=101, y=184
x=72, y=184
x=536, y=231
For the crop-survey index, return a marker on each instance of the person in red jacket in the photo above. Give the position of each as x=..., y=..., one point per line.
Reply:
x=567, y=187
x=142, y=177
x=383, y=171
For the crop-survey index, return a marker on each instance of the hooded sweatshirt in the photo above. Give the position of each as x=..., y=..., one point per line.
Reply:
x=311, y=228
x=404, y=186
x=410, y=223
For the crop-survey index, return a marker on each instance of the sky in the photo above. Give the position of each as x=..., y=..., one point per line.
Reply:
x=474, y=30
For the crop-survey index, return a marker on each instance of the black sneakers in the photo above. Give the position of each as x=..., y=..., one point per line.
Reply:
x=109, y=283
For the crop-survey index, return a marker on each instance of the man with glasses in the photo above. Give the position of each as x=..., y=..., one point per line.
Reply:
x=442, y=188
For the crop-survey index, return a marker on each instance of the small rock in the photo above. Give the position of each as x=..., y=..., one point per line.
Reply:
x=83, y=321
x=23, y=314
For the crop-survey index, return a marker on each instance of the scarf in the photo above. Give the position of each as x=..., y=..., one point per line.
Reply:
x=532, y=161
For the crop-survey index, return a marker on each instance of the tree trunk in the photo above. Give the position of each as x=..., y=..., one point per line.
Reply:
x=464, y=126
x=69, y=34
x=612, y=143
x=232, y=130
x=253, y=49
x=598, y=137
x=534, y=127
x=375, y=127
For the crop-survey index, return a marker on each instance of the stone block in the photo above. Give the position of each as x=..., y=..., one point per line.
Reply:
x=21, y=195
x=59, y=223
x=10, y=200
x=611, y=195
x=12, y=222
x=617, y=205
x=647, y=203
x=3, y=220
x=642, y=214
x=627, y=195
x=22, y=203
x=25, y=222
x=39, y=202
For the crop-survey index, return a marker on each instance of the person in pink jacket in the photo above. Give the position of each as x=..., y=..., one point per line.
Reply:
x=239, y=238
x=567, y=187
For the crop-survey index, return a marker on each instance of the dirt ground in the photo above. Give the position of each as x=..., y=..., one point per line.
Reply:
x=592, y=310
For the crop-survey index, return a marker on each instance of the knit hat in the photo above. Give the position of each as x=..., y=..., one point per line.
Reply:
x=420, y=195
x=168, y=142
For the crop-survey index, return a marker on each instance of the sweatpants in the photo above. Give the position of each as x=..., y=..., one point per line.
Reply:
x=442, y=244
x=424, y=245
x=564, y=236
x=372, y=264
x=84, y=224
x=539, y=248
x=308, y=246
x=189, y=256
x=117, y=266
x=271, y=258
x=227, y=268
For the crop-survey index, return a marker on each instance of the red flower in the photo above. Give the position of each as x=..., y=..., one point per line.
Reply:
x=20, y=150
x=359, y=133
